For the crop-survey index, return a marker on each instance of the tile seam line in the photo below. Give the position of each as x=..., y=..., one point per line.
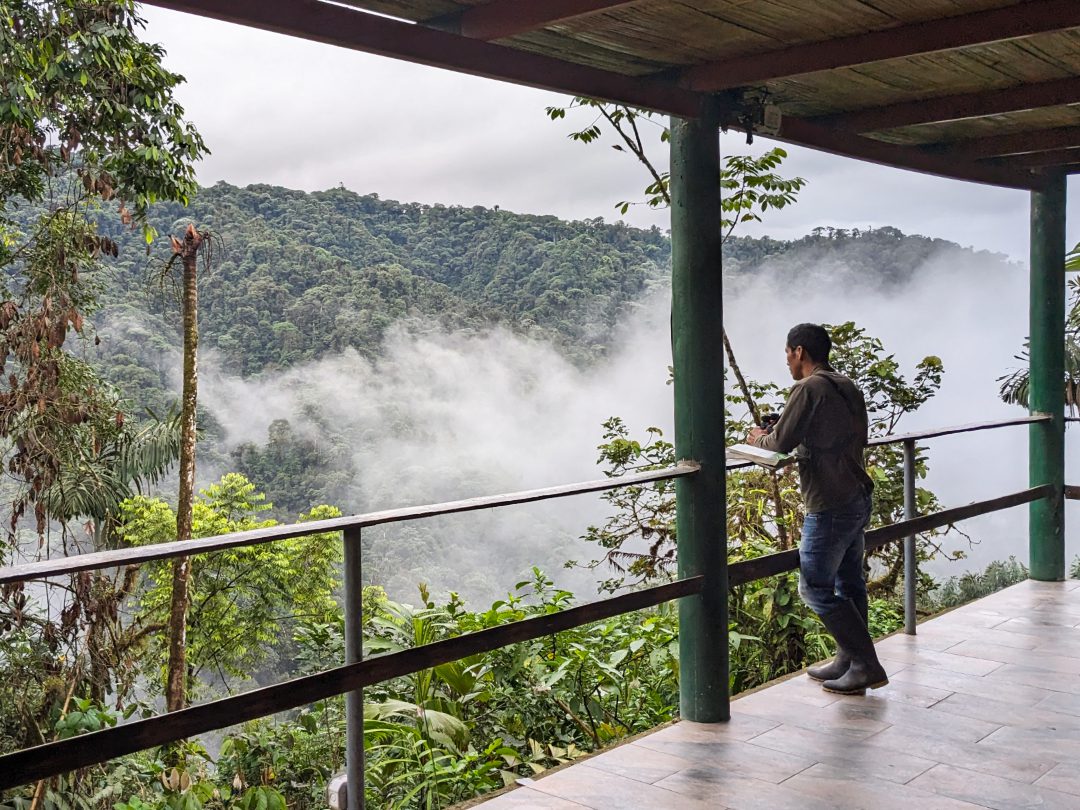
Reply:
x=633, y=778
x=536, y=786
x=953, y=671
x=1004, y=678
x=933, y=764
x=804, y=770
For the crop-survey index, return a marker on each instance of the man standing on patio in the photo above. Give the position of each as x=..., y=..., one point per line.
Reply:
x=825, y=422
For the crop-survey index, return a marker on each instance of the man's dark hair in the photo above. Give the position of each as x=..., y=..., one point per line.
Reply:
x=814, y=340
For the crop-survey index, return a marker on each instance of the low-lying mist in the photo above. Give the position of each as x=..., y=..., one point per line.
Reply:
x=444, y=416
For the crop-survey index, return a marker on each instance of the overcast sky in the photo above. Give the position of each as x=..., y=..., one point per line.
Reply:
x=280, y=110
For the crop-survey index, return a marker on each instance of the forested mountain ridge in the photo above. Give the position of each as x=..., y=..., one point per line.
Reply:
x=880, y=257
x=297, y=275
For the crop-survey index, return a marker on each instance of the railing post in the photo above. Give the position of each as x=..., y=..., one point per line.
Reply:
x=354, y=651
x=696, y=340
x=1046, y=448
x=911, y=571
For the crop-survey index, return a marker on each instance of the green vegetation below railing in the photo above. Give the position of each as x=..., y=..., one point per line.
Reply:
x=793, y=626
x=65, y=755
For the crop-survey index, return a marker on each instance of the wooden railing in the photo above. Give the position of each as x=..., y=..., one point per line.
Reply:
x=183, y=548
x=58, y=757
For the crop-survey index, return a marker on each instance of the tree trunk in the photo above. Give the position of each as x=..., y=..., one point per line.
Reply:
x=755, y=414
x=176, y=684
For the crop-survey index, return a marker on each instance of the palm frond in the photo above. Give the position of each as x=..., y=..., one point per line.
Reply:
x=1015, y=386
x=92, y=484
x=146, y=457
x=1072, y=259
x=443, y=728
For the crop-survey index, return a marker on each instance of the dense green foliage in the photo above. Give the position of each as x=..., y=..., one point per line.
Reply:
x=874, y=257
x=302, y=275
x=959, y=590
x=87, y=121
x=245, y=599
x=447, y=734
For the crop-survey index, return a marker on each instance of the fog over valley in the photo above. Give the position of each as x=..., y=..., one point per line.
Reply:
x=441, y=414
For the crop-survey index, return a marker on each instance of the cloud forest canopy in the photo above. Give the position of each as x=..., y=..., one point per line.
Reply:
x=302, y=275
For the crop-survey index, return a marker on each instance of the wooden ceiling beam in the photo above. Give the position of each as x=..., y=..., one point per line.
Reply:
x=958, y=107
x=1046, y=172
x=349, y=28
x=1015, y=143
x=372, y=33
x=1021, y=20
x=500, y=19
x=804, y=132
x=1039, y=160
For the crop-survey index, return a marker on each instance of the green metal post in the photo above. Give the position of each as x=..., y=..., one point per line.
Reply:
x=696, y=338
x=1046, y=447
x=354, y=652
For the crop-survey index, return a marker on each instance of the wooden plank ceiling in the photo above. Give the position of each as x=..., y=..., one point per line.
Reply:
x=981, y=90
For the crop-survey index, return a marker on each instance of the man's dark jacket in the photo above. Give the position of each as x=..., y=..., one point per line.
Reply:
x=825, y=419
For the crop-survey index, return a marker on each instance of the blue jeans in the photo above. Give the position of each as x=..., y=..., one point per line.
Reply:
x=831, y=555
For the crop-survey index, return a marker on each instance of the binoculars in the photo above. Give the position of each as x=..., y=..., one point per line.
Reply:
x=768, y=421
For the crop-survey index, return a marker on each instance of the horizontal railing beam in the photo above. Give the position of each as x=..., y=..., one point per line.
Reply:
x=875, y=538
x=1072, y=492
x=181, y=548
x=160, y=551
x=769, y=565
x=897, y=438
x=62, y=756
x=971, y=427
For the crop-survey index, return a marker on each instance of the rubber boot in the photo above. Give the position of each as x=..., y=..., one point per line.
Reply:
x=865, y=671
x=831, y=670
x=862, y=605
x=836, y=668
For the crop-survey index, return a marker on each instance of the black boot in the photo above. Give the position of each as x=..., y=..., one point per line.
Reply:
x=831, y=669
x=862, y=605
x=864, y=671
x=839, y=665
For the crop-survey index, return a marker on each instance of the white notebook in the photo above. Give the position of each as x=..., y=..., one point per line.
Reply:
x=758, y=455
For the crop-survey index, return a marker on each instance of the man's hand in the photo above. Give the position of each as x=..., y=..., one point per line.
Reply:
x=755, y=434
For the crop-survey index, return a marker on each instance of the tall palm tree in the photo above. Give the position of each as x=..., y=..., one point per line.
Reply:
x=185, y=253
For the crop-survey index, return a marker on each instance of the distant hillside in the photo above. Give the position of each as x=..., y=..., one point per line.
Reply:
x=878, y=257
x=297, y=276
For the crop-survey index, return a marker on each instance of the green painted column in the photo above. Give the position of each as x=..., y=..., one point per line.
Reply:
x=1046, y=446
x=696, y=340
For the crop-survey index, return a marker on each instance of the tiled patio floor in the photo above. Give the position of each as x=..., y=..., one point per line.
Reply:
x=983, y=711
